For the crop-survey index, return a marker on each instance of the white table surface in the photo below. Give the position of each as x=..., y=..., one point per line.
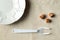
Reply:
x=32, y=21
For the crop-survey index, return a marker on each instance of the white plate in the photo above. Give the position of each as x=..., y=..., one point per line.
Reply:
x=11, y=10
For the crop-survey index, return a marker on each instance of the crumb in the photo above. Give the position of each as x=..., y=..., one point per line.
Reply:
x=51, y=14
x=43, y=16
x=48, y=20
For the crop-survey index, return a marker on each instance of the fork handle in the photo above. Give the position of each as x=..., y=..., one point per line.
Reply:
x=24, y=31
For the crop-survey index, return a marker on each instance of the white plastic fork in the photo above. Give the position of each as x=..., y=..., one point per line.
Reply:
x=41, y=30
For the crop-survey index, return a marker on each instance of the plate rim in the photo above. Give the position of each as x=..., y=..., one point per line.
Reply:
x=17, y=15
